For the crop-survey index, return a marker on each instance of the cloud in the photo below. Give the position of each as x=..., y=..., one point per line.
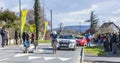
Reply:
x=102, y=9
x=84, y=11
x=75, y=17
x=24, y=6
x=114, y=19
x=2, y=4
x=108, y=7
x=116, y=12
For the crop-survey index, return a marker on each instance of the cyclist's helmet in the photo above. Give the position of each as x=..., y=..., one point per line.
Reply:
x=54, y=32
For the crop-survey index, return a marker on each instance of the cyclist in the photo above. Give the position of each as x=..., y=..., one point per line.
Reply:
x=54, y=40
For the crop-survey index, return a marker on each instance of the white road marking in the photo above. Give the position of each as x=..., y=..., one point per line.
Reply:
x=21, y=46
x=49, y=58
x=33, y=57
x=4, y=59
x=49, y=46
x=20, y=55
x=78, y=59
x=2, y=48
x=64, y=59
x=40, y=50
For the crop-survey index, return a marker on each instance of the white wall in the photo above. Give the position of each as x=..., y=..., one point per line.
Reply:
x=114, y=28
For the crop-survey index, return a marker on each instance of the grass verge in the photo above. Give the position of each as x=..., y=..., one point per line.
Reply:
x=95, y=50
x=44, y=41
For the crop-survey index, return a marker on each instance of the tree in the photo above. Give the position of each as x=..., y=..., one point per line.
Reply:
x=8, y=16
x=37, y=19
x=32, y=21
x=93, y=22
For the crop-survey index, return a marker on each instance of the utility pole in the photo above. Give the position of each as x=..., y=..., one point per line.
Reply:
x=20, y=20
x=20, y=15
x=51, y=19
x=80, y=27
x=43, y=10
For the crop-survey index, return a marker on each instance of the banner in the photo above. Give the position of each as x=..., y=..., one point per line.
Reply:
x=23, y=19
x=45, y=28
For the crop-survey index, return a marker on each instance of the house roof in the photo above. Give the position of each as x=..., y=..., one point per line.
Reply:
x=103, y=27
x=107, y=24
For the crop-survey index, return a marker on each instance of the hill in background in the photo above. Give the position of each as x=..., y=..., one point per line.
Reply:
x=75, y=28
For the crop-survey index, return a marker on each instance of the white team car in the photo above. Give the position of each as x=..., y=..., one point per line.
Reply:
x=66, y=42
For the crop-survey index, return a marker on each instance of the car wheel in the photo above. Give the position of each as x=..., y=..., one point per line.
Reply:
x=58, y=48
x=78, y=44
x=74, y=48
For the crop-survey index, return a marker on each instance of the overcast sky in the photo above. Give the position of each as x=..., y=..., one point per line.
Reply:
x=72, y=12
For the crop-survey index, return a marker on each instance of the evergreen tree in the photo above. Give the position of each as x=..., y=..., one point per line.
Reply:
x=37, y=19
x=93, y=22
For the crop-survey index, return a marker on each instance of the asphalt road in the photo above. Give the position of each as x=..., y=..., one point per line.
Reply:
x=13, y=54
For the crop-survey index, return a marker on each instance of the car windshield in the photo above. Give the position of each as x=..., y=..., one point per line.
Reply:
x=79, y=37
x=67, y=37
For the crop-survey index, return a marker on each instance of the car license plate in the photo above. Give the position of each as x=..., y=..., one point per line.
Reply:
x=63, y=44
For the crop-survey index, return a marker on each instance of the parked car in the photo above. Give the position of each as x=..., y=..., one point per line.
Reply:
x=81, y=40
x=66, y=42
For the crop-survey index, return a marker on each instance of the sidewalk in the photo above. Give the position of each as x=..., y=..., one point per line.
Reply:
x=96, y=59
x=110, y=58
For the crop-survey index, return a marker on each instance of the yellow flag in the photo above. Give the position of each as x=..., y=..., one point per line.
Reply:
x=45, y=28
x=45, y=24
x=23, y=21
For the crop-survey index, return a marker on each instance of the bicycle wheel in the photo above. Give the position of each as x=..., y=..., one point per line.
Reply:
x=54, y=48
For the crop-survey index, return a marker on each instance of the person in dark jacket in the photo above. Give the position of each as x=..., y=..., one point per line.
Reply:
x=24, y=36
x=3, y=35
x=32, y=38
x=111, y=40
x=99, y=40
x=114, y=43
x=105, y=44
x=7, y=37
x=16, y=36
x=26, y=45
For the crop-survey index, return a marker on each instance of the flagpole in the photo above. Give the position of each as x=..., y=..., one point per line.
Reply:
x=20, y=21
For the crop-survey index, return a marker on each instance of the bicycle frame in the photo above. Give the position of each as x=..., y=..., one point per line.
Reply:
x=54, y=46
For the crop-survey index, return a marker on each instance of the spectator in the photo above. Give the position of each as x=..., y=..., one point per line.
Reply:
x=102, y=38
x=16, y=36
x=3, y=35
x=7, y=37
x=114, y=43
x=111, y=40
x=32, y=38
x=24, y=36
x=88, y=37
x=27, y=36
x=26, y=45
x=99, y=40
x=105, y=44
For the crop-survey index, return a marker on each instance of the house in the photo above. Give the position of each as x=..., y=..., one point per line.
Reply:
x=108, y=27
